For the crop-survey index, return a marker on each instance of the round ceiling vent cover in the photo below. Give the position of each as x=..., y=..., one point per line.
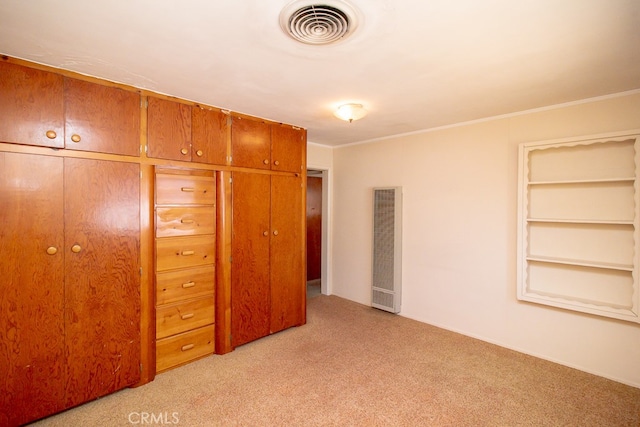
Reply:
x=318, y=23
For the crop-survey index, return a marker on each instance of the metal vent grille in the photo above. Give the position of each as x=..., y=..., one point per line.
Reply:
x=387, y=262
x=318, y=24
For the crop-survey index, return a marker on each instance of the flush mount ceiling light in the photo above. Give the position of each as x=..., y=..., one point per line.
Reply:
x=350, y=112
x=318, y=22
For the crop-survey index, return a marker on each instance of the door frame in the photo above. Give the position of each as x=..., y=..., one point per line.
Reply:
x=325, y=253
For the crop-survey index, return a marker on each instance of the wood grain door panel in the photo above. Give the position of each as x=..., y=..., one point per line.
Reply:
x=101, y=118
x=102, y=301
x=286, y=148
x=211, y=131
x=168, y=130
x=250, y=143
x=250, y=295
x=288, y=287
x=31, y=106
x=314, y=228
x=32, y=373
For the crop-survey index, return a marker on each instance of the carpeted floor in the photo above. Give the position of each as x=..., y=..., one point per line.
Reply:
x=352, y=365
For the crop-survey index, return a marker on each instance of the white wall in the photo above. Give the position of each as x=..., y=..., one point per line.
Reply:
x=459, y=233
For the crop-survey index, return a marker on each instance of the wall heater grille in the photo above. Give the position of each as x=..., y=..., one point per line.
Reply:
x=387, y=245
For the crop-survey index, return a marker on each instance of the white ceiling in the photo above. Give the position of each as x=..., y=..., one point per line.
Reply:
x=414, y=64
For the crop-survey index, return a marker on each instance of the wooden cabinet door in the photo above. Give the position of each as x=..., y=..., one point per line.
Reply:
x=288, y=285
x=169, y=130
x=32, y=372
x=250, y=294
x=250, y=143
x=210, y=135
x=287, y=145
x=101, y=118
x=102, y=300
x=31, y=106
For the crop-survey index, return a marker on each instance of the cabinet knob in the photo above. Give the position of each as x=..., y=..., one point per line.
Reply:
x=187, y=316
x=266, y=233
x=199, y=153
x=52, y=250
x=75, y=137
x=51, y=134
x=275, y=232
x=265, y=161
x=187, y=253
x=76, y=248
x=276, y=163
x=184, y=151
x=187, y=221
x=188, y=285
x=187, y=347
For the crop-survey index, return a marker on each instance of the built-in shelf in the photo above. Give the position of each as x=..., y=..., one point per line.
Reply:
x=603, y=265
x=578, y=235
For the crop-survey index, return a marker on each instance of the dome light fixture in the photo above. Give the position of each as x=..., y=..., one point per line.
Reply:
x=350, y=112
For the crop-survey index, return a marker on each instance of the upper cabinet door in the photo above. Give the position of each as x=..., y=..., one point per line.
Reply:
x=101, y=118
x=287, y=145
x=169, y=130
x=31, y=106
x=210, y=136
x=250, y=143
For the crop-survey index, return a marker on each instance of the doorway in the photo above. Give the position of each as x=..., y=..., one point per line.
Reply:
x=314, y=232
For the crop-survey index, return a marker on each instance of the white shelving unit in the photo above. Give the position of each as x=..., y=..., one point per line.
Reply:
x=578, y=217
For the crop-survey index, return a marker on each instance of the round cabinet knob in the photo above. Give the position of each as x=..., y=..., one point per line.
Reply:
x=265, y=161
x=52, y=250
x=76, y=248
x=75, y=137
x=276, y=163
x=275, y=232
x=199, y=153
x=184, y=151
x=51, y=134
x=266, y=233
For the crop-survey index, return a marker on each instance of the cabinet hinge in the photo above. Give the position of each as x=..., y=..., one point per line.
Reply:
x=227, y=112
x=140, y=271
x=141, y=368
x=230, y=259
x=296, y=127
x=146, y=151
x=230, y=180
x=144, y=103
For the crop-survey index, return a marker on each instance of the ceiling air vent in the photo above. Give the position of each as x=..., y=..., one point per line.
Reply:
x=318, y=23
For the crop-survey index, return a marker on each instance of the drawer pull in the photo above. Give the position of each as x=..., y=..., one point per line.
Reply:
x=187, y=189
x=187, y=347
x=188, y=285
x=187, y=316
x=187, y=253
x=187, y=221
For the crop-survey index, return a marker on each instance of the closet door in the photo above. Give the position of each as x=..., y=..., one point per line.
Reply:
x=288, y=286
x=102, y=300
x=168, y=130
x=31, y=106
x=250, y=143
x=250, y=291
x=31, y=287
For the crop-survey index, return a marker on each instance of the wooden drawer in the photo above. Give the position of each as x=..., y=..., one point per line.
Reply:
x=173, y=286
x=182, y=317
x=184, y=347
x=185, y=221
x=185, y=189
x=183, y=252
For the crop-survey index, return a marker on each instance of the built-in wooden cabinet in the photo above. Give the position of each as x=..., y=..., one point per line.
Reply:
x=117, y=263
x=258, y=144
x=267, y=279
x=70, y=302
x=178, y=131
x=185, y=265
x=46, y=109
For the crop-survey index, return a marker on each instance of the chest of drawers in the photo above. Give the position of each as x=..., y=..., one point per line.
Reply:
x=185, y=235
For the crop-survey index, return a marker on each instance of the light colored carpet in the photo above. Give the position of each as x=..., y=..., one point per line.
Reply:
x=352, y=365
